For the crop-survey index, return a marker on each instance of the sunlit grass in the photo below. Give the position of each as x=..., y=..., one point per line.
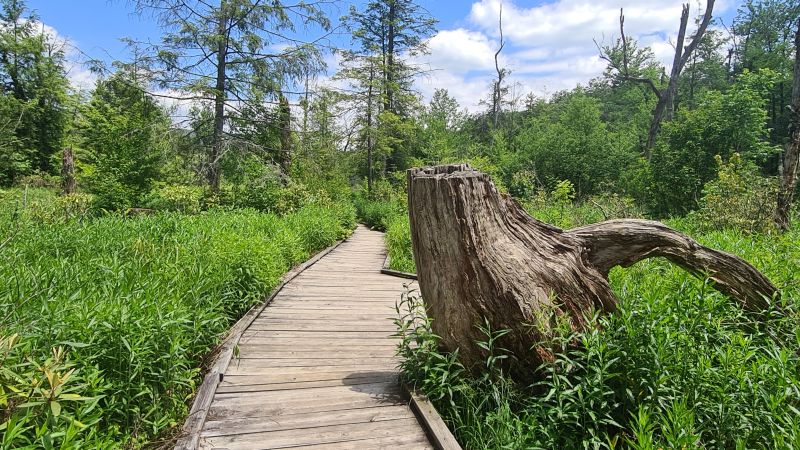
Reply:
x=136, y=303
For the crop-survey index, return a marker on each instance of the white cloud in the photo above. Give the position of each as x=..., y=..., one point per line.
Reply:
x=549, y=47
x=462, y=50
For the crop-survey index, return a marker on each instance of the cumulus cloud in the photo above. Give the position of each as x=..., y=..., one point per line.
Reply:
x=549, y=47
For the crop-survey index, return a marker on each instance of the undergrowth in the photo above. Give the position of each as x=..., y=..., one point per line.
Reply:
x=105, y=322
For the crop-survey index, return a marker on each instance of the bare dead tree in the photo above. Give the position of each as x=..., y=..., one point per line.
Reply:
x=665, y=107
x=498, y=90
x=791, y=158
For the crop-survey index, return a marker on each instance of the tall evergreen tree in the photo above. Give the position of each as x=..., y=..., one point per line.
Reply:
x=225, y=53
x=122, y=130
x=33, y=87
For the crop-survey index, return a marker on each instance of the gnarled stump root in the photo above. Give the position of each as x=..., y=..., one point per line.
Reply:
x=480, y=256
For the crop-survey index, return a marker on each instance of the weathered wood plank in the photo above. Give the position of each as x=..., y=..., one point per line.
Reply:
x=302, y=374
x=259, y=386
x=318, y=435
x=306, y=420
x=407, y=442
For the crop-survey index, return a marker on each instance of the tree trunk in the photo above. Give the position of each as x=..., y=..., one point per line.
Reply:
x=390, y=38
x=791, y=159
x=370, y=143
x=67, y=172
x=285, y=124
x=665, y=108
x=480, y=257
x=219, y=100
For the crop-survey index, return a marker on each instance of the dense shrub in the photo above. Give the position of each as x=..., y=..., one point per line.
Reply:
x=723, y=124
x=569, y=141
x=559, y=208
x=379, y=207
x=39, y=180
x=740, y=198
x=185, y=199
x=134, y=304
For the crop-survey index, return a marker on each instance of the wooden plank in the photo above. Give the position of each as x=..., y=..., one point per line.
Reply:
x=307, y=420
x=284, y=397
x=294, y=326
x=259, y=386
x=238, y=369
x=316, y=354
x=318, y=435
x=415, y=441
x=243, y=364
x=332, y=405
x=300, y=375
x=255, y=342
x=366, y=335
x=438, y=432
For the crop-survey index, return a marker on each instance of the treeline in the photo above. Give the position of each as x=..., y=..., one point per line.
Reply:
x=255, y=129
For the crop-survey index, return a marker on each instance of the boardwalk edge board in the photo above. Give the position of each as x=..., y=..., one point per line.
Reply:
x=395, y=273
x=435, y=427
x=190, y=435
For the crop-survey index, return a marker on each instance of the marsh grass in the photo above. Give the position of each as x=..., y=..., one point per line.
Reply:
x=129, y=307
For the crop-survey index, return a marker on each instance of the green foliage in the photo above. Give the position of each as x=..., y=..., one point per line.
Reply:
x=136, y=304
x=33, y=101
x=398, y=243
x=184, y=199
x=378, y=208
x=120, y=128
x=570, y=142
x=739, y=199
x=678, y=365
x=723, y=124
x=46, y=401
x=561, y=212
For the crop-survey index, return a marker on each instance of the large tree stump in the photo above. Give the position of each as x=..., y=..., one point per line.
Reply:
x=481, y=257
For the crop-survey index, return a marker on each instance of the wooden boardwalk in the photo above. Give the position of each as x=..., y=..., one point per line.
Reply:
x=316, y=368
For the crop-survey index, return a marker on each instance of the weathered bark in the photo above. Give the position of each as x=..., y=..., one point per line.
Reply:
x=791, y=159
x=480, y=256
x=67, y=172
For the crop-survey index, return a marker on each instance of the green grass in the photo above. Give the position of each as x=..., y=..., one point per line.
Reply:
x=398, y=244
x=679, y=365
x=135, y=304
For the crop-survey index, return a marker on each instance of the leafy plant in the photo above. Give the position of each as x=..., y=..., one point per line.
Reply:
x=132, y=307
x=740, y=198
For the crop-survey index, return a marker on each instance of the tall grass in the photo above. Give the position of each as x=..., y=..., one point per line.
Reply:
x=130, y=307
x=677, y=366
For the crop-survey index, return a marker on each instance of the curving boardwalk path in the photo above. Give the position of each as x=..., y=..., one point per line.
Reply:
x=316, y=369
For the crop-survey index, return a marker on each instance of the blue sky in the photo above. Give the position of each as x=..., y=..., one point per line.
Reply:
x=549, y=43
